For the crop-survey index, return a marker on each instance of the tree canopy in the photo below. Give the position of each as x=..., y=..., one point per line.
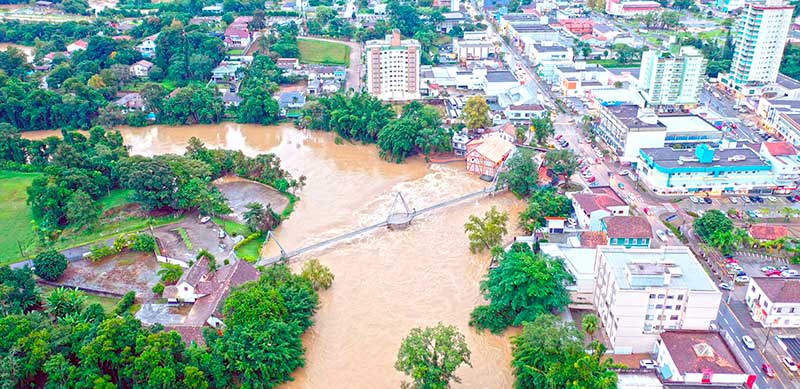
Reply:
x=525, y=285
x=432, y=355
x=487, y=232
x=542, y=203
x=476, y=113
x=711, y=223
x=522, y=176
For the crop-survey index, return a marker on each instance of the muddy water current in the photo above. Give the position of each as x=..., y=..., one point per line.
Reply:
x=387, y=282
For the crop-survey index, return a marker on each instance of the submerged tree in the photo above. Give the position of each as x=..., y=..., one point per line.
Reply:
x=432, y=355
x=317, y=274
x=487, y=232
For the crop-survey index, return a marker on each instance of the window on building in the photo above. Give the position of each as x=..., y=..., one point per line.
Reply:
x=778, y=310
x=652, y=296
x=673, y=317
x=659, y=306
x=661, y=296
x=680, y=297
x=648, y=317
x=668, y=307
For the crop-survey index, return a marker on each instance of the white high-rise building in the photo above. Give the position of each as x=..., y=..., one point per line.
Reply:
x=759, y=42
x=639, y=293
x=393, y=68
x=668, y=79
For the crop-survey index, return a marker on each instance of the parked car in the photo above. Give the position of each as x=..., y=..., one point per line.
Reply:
x=767, y=268
x=791, y=199
x=670, y=233
x=591, y=179
x=767, y=369
x=707, y=200
x=661, y=235
x=733, y=200
x=742, y=279
x=558, y=137
x=789, y=273
x=725, y=286
x=759, y=199
x=746, y=199
x=205, y=219
x=624, y=172
x=694, y=199
x=772, y=199
x=784, y=267
x=647, y=364
x=748, y=342
x=790, y=364
x=773, y=272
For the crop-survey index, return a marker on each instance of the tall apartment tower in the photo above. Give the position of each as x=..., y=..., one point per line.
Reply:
x=393, y=68
x=672, y=79
x=759, y=39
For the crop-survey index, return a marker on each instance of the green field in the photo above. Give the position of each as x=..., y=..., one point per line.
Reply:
x=15, y=214
x=231, y=227
x=251, y=250
x=116, y=198
x=328, y=53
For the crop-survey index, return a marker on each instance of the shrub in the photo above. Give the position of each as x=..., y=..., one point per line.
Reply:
x=50, y=265
x=143, y=242
x=248, y=239
x=158, y=288
x=126, y=303
x=101, y=251
x=185, y=238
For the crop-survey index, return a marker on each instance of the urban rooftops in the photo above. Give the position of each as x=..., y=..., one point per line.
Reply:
x=703, y=157
x=674, y=266
x=779, y=289
x=696, y=351
x=500, y=76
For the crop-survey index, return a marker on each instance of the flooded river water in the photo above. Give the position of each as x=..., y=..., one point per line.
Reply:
x=387, y=282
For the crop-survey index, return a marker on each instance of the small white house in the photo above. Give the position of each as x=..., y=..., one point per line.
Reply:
x=79, y=44
x=601, y=202
x=774, y=301
x=141, y=68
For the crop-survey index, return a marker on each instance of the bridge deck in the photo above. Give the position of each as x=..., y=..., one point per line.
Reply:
x=397, y=218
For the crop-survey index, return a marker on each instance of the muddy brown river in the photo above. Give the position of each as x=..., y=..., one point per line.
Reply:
x=387, y=282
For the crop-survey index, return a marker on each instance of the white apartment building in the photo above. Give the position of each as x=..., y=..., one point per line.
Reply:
x=473, y=46
x=547, y=57
x=667, y=79
x=639, y=293
x=774, y=301
x=759, y=42
x=393, y=68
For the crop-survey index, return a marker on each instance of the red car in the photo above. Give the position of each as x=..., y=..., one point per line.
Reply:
x=770, y=273
x=767, y=368
x=558, y=137
x=591, y=179
x=731, y=260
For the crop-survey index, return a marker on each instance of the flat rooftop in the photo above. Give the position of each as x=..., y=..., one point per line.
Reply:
x=688, y=123
x=620, y=71
x=579, y=260
x=550, y=48
x=787, y=82
x=668, y=157
x=792, y=345
x=695, y=351
x=500, y=76
x=532, y=28
x=691, y=275
x=629, y=115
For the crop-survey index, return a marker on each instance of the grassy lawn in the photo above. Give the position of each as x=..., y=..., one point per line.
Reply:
x=231, y=227
x=108, y=303
x=251, y=250
x=613, y=63
x=235, y=52
x=116, y=198
x=15, y=214
x=329, y=53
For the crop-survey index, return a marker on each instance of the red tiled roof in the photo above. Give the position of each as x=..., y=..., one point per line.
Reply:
x=592, y=239
x=628, y=227
x=779, y=289
x=694, y=351
x=780, y=148
x=591, y=202
x=80, y=43
x=189, y=333
x=768, y=231
x=527, y=107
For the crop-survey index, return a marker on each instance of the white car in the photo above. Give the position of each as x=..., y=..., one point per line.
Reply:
x=772, y=198
x=742, y=279
x=661, y=235
x=765, y=269
x=205, y=219
x=733, y=200
x=790, y=273
x=694, y=199
x=746, y=200
x=725, y=286
x=748, y=342
x=624, y=172
x=647, y=364
x=789, y=363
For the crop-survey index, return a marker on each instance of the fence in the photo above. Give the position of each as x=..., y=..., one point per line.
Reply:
x=96, y=292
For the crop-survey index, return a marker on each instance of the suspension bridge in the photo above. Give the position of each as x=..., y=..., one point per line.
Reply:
x=399, y=217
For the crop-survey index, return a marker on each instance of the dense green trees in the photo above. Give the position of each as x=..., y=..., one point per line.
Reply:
x=790, y=64
x=193, y=105
x=260, y=218
x=256, y=91
x=476, y=113
x=430, y=356
x=549, y=354
x=542, y=129
x=62, y=302
x=522, y=175
x=417, y=131
x=524, y=286
x=562, y=162
x=18, y=292
x=712, y=222
x=317, y=274
x=542, y=203
x=49, y=265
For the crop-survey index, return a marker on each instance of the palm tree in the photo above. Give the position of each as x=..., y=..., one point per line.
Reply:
x=64, y=301
x=725, y=241
x=743, y=237
x=319, y=275
x=170, y=273
x=590, y=324
x=255, y=217
x=487, y=232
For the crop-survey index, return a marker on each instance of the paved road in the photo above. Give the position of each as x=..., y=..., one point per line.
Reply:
x=728, y=322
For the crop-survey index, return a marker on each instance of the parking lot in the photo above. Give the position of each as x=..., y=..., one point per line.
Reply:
x=750, y=206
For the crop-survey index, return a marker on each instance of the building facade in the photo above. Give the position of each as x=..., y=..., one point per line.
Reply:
x=546, y=58
x=774, y=301
x=639, y=293
x=631, y=8
x=667, y=79
x=783, y=159
x=628, y=231
x=393, y=68
x=601, y=202
x=759, y=40
x=668, y=171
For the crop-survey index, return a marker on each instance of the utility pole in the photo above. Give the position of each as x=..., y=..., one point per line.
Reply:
x=766, y=340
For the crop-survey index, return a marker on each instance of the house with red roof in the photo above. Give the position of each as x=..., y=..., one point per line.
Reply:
x=597, y=204
x=578, y=27
x=628, y=231
x=782, y=158
x=701, y=357
x=238, y=34
x=765, y=232
x=485, y=155
x=79, y=44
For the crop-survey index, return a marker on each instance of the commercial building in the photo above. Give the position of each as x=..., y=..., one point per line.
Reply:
x=774, y=301
x=631, y=8
x=672, y=79
x=627, y=128
x=760, y=37
x=473, y=47
x=783, y=159
x=547, y=57
x=669, y=171
x=639, y=293
x=599, y=203
x=702, y=357
x=393, y=68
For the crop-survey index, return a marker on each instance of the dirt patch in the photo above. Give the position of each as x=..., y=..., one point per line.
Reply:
x=201, y=236
x=240, y=192
x=119, y=273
